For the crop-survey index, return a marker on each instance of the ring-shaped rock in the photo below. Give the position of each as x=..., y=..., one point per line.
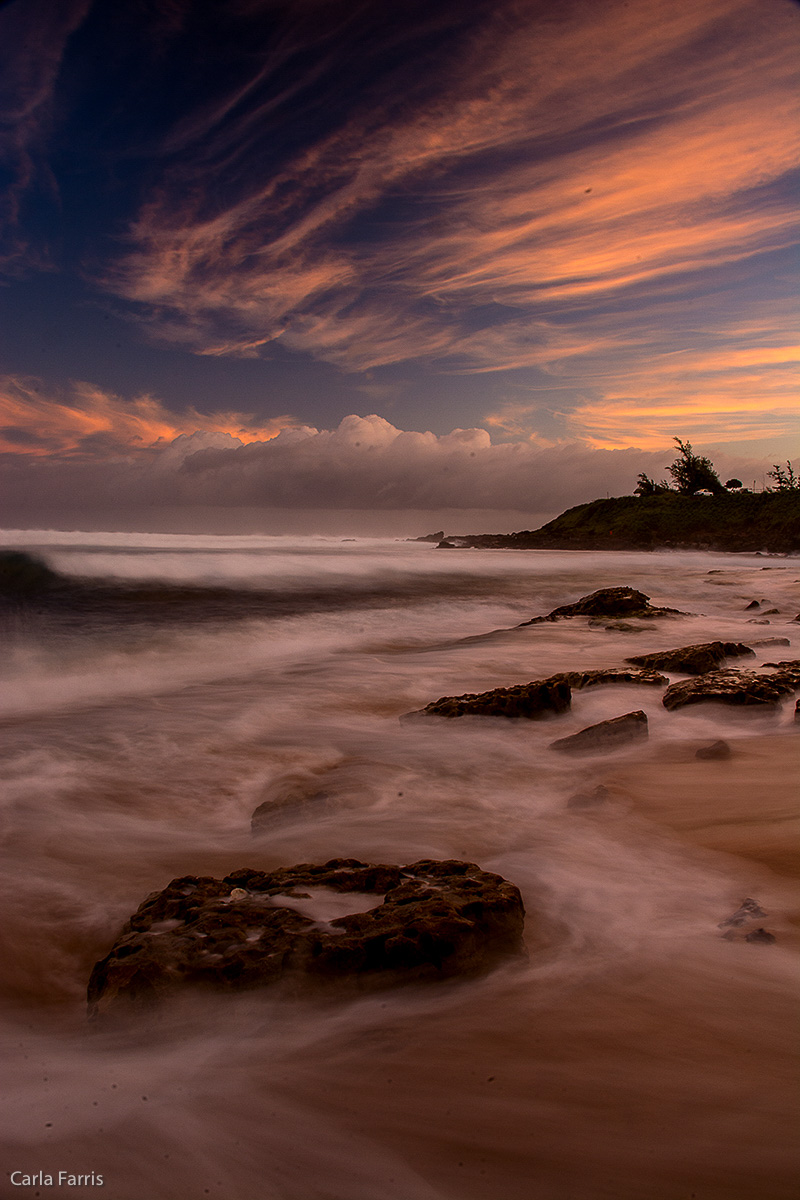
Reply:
x=431, y=919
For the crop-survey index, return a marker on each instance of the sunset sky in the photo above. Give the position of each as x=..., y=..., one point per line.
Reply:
x=477, y=257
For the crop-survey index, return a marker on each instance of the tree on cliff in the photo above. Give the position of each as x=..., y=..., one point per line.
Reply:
x=785, y=479
x=692, y=473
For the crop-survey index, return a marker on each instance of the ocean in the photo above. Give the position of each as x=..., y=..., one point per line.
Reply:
x=635, y=1054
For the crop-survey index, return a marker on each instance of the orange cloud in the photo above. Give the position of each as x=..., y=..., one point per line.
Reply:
x=663, y=185
x=90, y=421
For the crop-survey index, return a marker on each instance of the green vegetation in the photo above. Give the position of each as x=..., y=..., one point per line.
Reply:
x=745, y=521
x=699, y=513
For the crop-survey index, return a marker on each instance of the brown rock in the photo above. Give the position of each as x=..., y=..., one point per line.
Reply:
x=540, y=698
x=692, y=660
x=598, y=795
x=605, y=736
x=761, y=935
x=714, y=751
x=429, y=920
x=729, y=686
x=578, y=680
x=608, y=602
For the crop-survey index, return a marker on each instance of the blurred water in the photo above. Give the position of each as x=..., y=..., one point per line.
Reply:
x=636, y=1053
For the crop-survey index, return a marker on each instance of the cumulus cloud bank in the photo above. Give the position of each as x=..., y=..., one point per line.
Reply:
x=364, y=464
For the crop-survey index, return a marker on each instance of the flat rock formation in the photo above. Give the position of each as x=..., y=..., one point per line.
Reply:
x=540, y=698
x=731, y=686
x=692, y=660
x=605, y=736
x=578, y=680
x=608, y=602
x=428, y=920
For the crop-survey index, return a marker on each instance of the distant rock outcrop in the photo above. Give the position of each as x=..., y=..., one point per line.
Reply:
x=429, y=920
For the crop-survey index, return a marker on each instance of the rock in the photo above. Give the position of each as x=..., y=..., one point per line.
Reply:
x=608, y=602
x=616, y=626
x=748, y=910
x=578, y=680
x=429, y=920
x=540, y=698
x=770, y=641
x=294, y=802
x=605, y=736
x=445, y=544
x=729, y=686
x=715, y=751
x=797, y=711
x=787, y=671
x=752, y=604
x=598, y=795
x=756, y=621
x=761, y=935
x=692, y=660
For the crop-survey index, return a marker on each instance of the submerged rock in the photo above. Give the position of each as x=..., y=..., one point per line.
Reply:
x=715, y=751
x=692, y=660
x=731, y=686
x=429, y=920
x=598, y=795
x=540, y=698
x=605, y=736
x=608, y=602
x=761, y=935
x=748, y=910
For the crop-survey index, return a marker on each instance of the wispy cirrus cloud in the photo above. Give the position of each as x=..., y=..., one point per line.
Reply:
x=33, y=39
x=547, y=167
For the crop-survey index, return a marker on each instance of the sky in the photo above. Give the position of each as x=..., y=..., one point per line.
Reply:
x=322, y=264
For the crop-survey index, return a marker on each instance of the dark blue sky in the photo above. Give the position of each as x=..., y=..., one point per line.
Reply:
x=563, y=224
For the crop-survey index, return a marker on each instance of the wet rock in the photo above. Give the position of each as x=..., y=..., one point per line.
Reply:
x=797, y=711
x=769, y=641
x=787, y=670
x=730, y=686
x=429, y=920
x=715, y=751
x=692, y=660
x=608, y=602
x=540, y=698
x=751, y=605
x=748, y=910
x=605, y=736
x=598, y=795
x=616, y=626
x=294, y=802
x=445, y=544
x=755, y=621
x=578, y=680
x=761, y=935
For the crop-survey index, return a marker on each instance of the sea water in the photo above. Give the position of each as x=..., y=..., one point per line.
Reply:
x=635, y=1053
